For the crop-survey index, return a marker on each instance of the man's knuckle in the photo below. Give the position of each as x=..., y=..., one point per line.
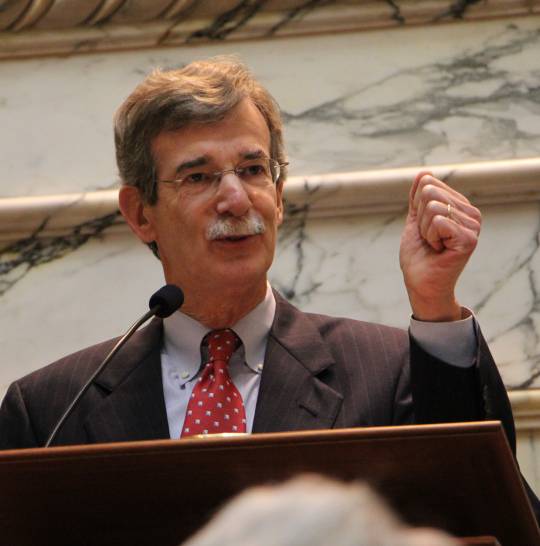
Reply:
x=476, y=214
x=428, y=191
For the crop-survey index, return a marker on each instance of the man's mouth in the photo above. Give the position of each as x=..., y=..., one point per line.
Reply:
x=234, y=238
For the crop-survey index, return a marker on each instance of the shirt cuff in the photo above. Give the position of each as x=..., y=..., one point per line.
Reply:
x=452, y=342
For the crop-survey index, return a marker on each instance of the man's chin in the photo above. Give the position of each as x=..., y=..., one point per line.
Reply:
x=243, y=273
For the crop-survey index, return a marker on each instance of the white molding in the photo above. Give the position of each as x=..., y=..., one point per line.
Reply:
x=385, y=191
x=42, y=30
x=526, y=409
x=321, y=196
x=53, y=215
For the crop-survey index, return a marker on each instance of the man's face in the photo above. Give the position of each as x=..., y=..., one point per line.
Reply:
x=184, y=218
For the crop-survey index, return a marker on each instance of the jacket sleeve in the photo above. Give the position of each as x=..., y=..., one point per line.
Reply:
x=445, y=393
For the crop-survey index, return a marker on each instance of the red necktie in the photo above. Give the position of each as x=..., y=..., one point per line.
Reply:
x=216, y=405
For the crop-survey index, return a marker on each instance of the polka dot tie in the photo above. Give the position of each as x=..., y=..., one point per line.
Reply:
x=216, y=405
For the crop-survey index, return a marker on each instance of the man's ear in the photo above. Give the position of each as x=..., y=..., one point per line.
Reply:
x=136, y=213
x=279, y=196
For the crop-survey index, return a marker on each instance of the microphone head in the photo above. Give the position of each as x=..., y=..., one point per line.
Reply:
x=166, y=300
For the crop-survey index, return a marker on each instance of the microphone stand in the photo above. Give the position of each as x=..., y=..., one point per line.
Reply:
x=86, y=386
x=163, y=303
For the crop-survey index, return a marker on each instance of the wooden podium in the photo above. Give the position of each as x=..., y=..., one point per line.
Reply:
x=459, y=477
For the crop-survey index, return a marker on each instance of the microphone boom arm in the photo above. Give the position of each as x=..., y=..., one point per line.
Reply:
x=149, y=314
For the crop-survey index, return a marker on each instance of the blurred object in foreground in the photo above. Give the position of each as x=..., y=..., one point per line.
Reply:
x=310, y=511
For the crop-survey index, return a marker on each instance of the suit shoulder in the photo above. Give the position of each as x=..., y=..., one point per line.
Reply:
x=76, y=366
x=74, y=369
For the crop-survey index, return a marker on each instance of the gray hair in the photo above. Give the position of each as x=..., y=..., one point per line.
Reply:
x=201, y=92
x=312, y=511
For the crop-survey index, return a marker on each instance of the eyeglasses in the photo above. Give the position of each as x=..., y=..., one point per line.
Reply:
x=258, y=172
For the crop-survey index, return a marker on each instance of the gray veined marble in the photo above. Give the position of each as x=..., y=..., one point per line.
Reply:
x=509, y=302
x=481, y=103
x=411, y=96
x=20, y=257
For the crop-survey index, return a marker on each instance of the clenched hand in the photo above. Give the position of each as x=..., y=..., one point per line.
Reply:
x=441, y=233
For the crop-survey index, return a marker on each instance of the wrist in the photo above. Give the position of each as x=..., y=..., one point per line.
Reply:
x=428, y=311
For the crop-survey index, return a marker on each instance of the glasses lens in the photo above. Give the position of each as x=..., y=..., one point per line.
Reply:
x=257, y=172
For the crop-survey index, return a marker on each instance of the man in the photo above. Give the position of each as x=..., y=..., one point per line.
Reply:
x=201, y=156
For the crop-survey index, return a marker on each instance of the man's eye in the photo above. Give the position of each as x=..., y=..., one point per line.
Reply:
x=255, y=169
x=196, y=178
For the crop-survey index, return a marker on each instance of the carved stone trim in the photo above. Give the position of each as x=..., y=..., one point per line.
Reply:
x=381, y=191
x=50, y=27
x=323, y=196
x=526, y=408
x=36, y=11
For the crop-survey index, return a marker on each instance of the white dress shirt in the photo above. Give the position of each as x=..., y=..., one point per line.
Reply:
x=181, y=358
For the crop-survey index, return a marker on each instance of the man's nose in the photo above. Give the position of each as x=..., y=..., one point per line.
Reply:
x=231, y=196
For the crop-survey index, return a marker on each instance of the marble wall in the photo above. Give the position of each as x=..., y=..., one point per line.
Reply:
x=351, y=101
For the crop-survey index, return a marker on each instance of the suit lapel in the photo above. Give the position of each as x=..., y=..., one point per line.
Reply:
x=134, y=408
x=293, y=394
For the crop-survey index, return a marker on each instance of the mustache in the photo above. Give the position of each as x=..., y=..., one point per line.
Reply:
x=228, y=226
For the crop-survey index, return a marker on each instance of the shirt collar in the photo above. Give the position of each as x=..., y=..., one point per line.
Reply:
x=182, y=336
x=253, y=330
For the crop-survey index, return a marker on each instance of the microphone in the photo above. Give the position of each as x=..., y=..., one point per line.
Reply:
x=166, y=301
x=163, y=303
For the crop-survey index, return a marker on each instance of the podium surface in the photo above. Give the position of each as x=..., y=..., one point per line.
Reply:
x=458, y=477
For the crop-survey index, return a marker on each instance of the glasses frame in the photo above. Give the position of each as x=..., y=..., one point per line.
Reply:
x=218, y=175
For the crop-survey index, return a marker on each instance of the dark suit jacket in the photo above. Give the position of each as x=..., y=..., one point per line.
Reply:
x=320, y=372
